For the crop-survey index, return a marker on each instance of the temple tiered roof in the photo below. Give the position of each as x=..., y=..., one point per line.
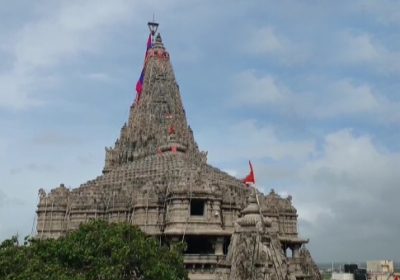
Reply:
x=157, y=121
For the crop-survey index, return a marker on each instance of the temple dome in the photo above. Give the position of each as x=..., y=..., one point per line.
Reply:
x=251, y=214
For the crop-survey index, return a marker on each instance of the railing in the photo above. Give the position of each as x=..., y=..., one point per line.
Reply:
x=202, y=258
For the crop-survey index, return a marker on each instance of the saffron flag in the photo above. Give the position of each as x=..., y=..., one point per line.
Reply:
x=139, y=84
x=250, y=178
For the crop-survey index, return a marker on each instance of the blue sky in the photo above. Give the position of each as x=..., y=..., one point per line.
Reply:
x=309, y=91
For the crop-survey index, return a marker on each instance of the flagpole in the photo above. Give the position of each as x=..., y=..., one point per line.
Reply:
x=153, y=26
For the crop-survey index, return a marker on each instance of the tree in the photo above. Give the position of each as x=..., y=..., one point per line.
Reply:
x=97, y=250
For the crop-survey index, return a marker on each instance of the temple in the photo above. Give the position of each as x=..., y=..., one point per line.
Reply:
x=156, y=177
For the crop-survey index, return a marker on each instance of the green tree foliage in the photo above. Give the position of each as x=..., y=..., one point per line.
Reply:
x=97, y=250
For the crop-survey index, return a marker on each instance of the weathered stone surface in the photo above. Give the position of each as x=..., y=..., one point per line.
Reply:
x=153, y=177
x=255, y=252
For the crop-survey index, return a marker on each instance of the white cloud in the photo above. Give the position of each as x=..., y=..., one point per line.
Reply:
x=345, y=98
x=250, y=89
x=354, y=162
x=353, y=185
x=190, y=56
x=359, y=48
x=231, y=172
x=59, y=36
x=101, y=77
x=386, y=12
x=311, y=212
x=349, y=98
x=47, y=138
x=264, y=143
x=262, y=41
x=363, y=48
x=330, y=99
x=250, y=140
x=267, y=41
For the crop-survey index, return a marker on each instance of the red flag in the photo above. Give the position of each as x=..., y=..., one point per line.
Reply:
x=250, y=178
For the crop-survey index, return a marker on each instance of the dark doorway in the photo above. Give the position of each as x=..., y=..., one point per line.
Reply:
x=202, y=245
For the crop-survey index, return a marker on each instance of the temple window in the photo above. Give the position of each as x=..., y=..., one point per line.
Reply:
x=202, y=245
x=197, y=207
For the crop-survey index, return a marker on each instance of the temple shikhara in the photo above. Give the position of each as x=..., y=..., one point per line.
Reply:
x=156, y=177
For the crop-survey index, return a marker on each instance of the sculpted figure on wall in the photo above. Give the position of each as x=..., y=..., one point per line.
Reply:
x=42, y=193
x=204, y=157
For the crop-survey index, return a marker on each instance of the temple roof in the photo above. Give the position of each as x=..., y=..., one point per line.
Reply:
x=155, y=116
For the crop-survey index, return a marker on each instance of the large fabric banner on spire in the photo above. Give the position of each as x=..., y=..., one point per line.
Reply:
x=139, y=84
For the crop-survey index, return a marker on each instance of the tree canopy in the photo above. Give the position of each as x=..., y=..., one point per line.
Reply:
x=97, y=250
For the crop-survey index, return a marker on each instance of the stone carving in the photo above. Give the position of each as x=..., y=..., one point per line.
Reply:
x=42, y=193
x=252, y=252
x=204, y=157
x=176, y=195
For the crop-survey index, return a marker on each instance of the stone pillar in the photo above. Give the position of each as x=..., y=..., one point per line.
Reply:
x=295, y=251
x=216, y=213
x=207, y=210
x=219, y=246
x=173, y=241
x=284, y=249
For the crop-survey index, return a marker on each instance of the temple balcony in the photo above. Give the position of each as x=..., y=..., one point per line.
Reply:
x=202, y=266
x=201, y=259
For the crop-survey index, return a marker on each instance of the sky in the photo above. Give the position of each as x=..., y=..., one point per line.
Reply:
x=307, y=90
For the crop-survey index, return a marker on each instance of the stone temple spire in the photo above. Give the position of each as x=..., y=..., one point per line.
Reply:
x=251, y=214
x=246, y=255
x=158, y=111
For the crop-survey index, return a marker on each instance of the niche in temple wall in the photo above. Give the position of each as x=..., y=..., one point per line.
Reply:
x=275, y=224
x=287, y=225
x=228, y=217
x=281, y=223
x=290, y=224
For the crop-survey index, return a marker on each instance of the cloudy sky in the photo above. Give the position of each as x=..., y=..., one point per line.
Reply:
x=308, y=90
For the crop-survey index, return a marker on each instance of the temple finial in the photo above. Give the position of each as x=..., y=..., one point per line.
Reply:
x=153, y=26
